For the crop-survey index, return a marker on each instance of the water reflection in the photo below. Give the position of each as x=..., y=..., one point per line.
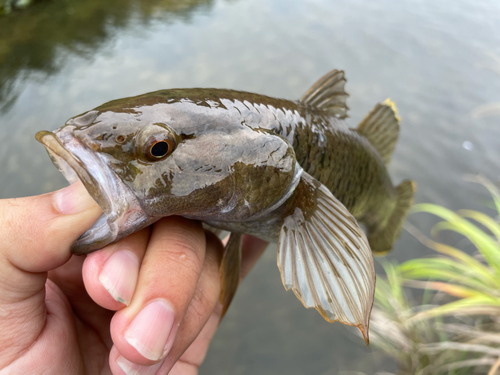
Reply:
x=39, y=39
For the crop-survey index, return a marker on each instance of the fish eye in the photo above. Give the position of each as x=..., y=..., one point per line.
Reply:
x=158, y=148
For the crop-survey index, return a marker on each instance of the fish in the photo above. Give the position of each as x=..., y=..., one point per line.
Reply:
x=291, y=172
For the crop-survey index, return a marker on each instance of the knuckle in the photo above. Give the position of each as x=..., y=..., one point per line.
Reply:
x=202, y=306
x=19, y=230
x=206, y=297
x=183, y=254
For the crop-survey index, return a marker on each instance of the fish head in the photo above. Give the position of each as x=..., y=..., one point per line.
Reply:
x=141, y=163
x=96, y=150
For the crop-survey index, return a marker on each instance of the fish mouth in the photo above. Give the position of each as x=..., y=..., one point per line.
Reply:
x=122, y=213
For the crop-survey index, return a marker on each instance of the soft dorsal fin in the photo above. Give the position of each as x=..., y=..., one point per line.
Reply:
x=324, y=256
x=328, y=94
x=381, y=128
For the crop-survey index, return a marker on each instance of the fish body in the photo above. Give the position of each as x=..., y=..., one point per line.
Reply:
x=325, y=147
x=286, y=171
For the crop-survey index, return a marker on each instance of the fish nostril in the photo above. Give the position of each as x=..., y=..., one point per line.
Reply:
x=120, y=139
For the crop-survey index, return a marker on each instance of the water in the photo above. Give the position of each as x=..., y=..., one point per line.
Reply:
x=439, y=61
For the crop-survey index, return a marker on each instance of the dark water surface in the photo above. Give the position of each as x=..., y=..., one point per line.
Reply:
x=438, y=60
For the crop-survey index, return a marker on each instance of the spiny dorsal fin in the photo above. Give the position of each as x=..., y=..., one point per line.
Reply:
x=328, y=94
x=381, y=128
x=324, y=257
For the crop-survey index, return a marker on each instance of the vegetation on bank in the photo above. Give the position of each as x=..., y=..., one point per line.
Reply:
x=456, y=327
x=7, y=6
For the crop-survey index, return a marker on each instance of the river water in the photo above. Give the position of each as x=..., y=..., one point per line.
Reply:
x=438, y=60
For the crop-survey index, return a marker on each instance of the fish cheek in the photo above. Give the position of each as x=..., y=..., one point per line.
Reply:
x=168, y=187
x=207, y=201
x=130, y=172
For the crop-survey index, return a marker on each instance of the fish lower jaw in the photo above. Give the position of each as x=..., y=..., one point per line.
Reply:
x=97, y=236
x=122, y=213
x=107, y=230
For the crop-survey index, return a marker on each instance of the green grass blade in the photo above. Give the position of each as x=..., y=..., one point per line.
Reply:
x=473, y=305
x=484, y=243
x=459, y=290
x=436, y=269
x=493, y=190
x=488, y=222
x=394, y=282
x=479, y=268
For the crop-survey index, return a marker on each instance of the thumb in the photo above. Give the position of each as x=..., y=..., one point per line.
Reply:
x=35, y=236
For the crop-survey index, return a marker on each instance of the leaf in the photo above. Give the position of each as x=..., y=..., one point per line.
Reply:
x=488, y=222
x=455, y=290
x=466, y=306
x=484, y=243
x=493, y=190
x=394, y=282
x=480, y=269
x=447, y=270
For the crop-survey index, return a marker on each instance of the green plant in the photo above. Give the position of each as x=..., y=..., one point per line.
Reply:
x=461, y=336
x=9, y=5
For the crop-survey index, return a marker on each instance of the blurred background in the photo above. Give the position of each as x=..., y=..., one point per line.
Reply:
x=438, y=60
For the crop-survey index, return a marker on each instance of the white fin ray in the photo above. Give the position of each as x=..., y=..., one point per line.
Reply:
x=324, y=257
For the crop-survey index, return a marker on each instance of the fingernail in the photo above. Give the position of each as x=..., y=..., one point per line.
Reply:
x=119, y=275
x=148, y=333
x=73, y=199
x=131, y=368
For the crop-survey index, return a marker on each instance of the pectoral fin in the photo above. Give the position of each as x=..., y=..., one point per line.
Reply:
x=230, y=271
x=324, y=257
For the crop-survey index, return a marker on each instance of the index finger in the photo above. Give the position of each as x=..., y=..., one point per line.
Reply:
x=144, y=331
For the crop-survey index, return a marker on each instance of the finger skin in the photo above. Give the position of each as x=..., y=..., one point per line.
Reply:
x=26, y=362
x=200, y=310
x=94, y=263
x=35, y=238
x=87, y=314
x=169, y=274
x=203, y=315
x=251, y=250
x=201, y=319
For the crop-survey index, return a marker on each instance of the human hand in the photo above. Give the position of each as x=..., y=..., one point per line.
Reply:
x=57, y=311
